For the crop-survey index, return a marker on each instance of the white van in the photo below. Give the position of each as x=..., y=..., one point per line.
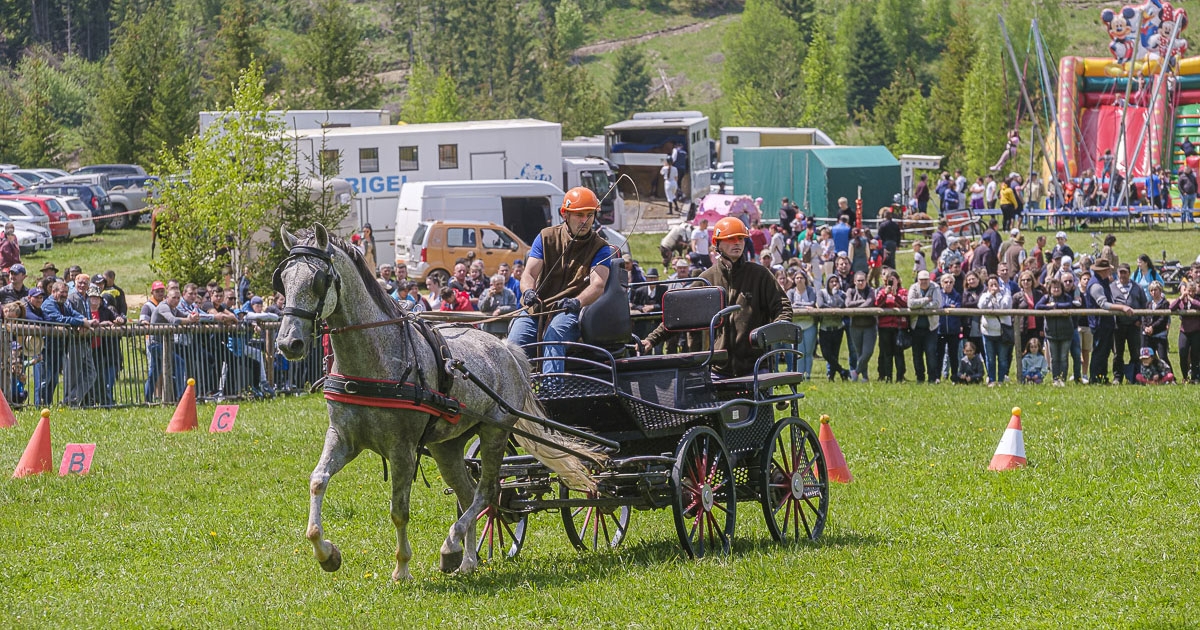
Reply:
x=523, y=206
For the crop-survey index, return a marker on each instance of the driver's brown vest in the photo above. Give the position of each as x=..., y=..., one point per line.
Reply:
x=566, y=263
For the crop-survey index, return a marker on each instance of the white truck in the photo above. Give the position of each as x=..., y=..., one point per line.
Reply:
x=314, y=118
x=379, y=162
x=749, y=137
x=638, y=146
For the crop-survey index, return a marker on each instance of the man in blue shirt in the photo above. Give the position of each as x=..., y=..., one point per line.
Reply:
x=567, y=268
x=841, y=234
x=57, y=310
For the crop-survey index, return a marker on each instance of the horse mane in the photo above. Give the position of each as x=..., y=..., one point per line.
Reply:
x=384, y=301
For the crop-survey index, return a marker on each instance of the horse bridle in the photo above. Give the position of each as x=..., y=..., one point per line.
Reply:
x=324, y=280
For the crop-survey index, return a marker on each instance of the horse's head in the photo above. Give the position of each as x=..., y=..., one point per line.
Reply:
x=310, y=284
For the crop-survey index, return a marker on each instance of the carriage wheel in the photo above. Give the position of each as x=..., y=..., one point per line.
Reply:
x=794, y=486
x=705, y=502
x=591, y=528
x=498, y=531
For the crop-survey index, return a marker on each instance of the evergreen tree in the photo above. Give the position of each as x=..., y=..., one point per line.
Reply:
x=913, y=133
x=947, y=93
x=126, y=97
x=824, y=88
x=14, y=30
x=240, y=40
x=568, y=25
x=984, y=122
x=419, y=94
x=869, y=68
x=10, y=107
x=39, y=132
x=763, y=53
x=333, y=69
x=444, y=106
x=631, y=84
x=802, y=13
x=898, y=22
x=173, y=112
x=937, y=20
x=881, y=123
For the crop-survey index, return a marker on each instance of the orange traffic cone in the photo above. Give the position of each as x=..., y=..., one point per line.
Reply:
x=7, y=419
x=184, y=418
x=1011, y=452
x=834, y=460
x=37, y=457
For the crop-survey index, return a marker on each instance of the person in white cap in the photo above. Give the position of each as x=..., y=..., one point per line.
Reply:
x=924, y=295
x=1061, y=246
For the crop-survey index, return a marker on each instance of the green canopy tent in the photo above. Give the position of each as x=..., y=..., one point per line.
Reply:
x=814, y=177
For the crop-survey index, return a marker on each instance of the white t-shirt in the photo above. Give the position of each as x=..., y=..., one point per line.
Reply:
x=919, y=262
x=700, y=240
x=990, y=191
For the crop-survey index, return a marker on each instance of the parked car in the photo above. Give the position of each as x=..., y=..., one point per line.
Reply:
x=125, y=199
x=79, y=218
x=111, y=169
x=718, y=175
x=18, y=183
x=8, y=188
x=24, y=212
x=32, y=176
x=51, y=173
x=53, y=209
x=436, y=245
x=93, y=197
x=31, y=238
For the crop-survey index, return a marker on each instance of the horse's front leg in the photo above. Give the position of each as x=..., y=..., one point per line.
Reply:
x=403, y=470
x=334, y=456
x=449, y=456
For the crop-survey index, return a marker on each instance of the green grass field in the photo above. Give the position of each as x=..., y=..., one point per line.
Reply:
x=195, y=529
x=192, y=530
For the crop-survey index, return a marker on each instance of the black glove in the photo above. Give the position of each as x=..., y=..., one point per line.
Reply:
x=571, y=305
x=529, y=297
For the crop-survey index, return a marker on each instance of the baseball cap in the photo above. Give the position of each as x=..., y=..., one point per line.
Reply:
x=17, y=268
x=1147, y=353
x=36, y=292
x=1060, y=234
x=256, y=300
x=93, y=291
x=99, y=279
x=1066, y=260
x=1014, y=232
x=922, y=275
x=156, y=285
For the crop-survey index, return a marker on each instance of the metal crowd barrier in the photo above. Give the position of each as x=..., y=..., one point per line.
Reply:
x=51, y=364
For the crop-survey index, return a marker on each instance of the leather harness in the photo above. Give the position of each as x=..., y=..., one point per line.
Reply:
x=372, y=392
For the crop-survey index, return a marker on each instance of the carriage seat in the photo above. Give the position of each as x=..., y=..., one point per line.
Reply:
x=606, y=323
x=681, y=360
x=764, y=338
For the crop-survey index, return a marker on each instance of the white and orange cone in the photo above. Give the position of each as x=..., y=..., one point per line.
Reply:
x=1011, y=451
x=835, y=462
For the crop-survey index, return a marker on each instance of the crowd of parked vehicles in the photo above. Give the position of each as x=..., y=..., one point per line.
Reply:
x=49, y=205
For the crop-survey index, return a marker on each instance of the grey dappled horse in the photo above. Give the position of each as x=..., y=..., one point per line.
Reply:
x=324, y=280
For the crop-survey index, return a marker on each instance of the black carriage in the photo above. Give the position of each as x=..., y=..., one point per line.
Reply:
x=684, y=438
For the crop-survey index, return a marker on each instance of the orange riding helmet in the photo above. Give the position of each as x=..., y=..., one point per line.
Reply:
x=579, y=199
x=729, y=228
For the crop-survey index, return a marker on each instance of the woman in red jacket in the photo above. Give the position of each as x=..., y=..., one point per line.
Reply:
x=891, y=295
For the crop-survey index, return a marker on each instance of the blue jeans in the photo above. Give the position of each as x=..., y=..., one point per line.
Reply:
x=1077, y=356
x=178, y=371
x=562, y=327
x=52, y=366
x=808, y=345
x=1187, y=204
x=997, y=358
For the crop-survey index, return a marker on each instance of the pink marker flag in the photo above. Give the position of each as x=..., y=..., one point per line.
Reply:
x=223, y=418
x=77, y=459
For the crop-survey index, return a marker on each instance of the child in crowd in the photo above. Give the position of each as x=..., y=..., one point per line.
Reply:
x=875, y=263
x=919, y=264
x=1153, y=370
x=970, y=369
x=1033, y=362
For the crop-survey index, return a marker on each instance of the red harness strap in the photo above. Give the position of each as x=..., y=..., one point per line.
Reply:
x=371, y=392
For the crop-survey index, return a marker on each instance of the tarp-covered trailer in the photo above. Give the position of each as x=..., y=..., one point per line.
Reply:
x=814, y=177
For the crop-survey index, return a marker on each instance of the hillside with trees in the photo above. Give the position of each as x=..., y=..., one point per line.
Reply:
x=119, y=80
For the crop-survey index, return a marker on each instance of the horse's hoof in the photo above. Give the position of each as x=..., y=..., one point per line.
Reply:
x=451, y=561
x=334, y=561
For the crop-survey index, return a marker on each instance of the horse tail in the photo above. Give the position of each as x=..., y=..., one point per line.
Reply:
x=571, y=469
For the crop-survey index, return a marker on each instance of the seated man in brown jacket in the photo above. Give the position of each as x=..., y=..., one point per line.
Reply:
x=747, y=284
